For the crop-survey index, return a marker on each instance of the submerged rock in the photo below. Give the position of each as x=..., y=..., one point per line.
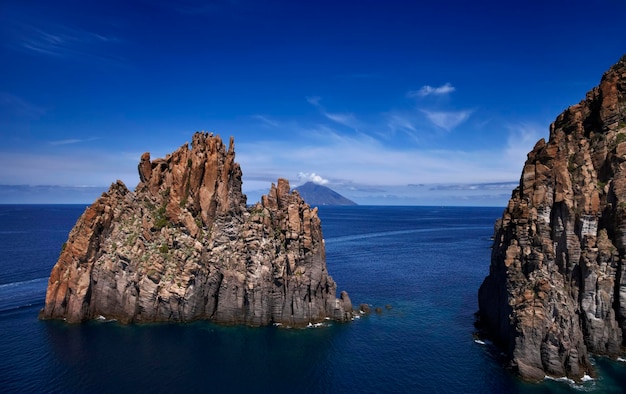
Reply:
x=183, y=246
x=556, y=289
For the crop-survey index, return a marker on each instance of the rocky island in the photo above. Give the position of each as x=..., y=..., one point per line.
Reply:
x=184, y=246
x=556, y=290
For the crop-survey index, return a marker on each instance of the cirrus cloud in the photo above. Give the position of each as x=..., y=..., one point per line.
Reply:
x=428, y=90
x=447, y=120
x=344, y=119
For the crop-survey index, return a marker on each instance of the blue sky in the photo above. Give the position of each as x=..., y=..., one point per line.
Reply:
x=396, y=102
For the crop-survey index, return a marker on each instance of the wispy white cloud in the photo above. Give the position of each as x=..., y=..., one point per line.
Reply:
x=400, y=122
x=428, y=90
x=60, y=40
x=65, y=142
x=40, y=37
x=70, y=141
x=404, y=123
x=522, y=138
x=314, y=100
x=266, y=120
x=348, y=120
x=437, y=114
x=370, y=162
x=344, y=119
x=447, y=120
x=311, y=177
x=362, y=166
x=13, y=106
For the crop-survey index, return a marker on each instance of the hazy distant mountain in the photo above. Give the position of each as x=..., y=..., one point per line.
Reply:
x=316, y=195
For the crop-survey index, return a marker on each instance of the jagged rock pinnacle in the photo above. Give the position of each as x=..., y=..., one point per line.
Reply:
x=183, y=246
x=556, y=289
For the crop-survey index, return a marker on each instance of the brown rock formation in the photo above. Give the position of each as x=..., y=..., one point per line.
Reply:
x=184, y=246
x=556, y=289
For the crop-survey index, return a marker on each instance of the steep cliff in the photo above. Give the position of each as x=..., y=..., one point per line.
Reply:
x=556, y=289
x=184, y=246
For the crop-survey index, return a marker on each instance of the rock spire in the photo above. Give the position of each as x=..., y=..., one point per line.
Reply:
x=183, y=246
x=556, y=289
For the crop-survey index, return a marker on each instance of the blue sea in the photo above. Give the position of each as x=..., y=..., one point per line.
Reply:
x=421, y=265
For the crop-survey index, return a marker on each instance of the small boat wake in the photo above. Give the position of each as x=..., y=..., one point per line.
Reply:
x=25, y=294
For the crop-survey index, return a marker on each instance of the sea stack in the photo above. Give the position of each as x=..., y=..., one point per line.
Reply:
x=556, y=290
x=184, y=246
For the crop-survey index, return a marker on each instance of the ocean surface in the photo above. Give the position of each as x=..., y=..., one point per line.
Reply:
x=421, y=265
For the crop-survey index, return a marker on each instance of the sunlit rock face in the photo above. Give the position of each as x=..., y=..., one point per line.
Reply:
x=184, y=246
x=556, y=289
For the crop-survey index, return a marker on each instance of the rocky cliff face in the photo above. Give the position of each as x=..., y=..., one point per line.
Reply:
x=556, y=289
x=184, y=246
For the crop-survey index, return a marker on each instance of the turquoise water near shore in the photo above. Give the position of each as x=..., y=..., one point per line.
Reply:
x=425, y=263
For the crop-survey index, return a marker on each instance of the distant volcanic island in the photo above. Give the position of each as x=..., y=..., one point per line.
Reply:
x=556, y=290
x=184, y=246
x=318, y=195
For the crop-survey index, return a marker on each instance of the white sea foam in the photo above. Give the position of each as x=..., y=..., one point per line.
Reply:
x=104, y=319
x=584, y=386
x=563, y=379
x=622, y=360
